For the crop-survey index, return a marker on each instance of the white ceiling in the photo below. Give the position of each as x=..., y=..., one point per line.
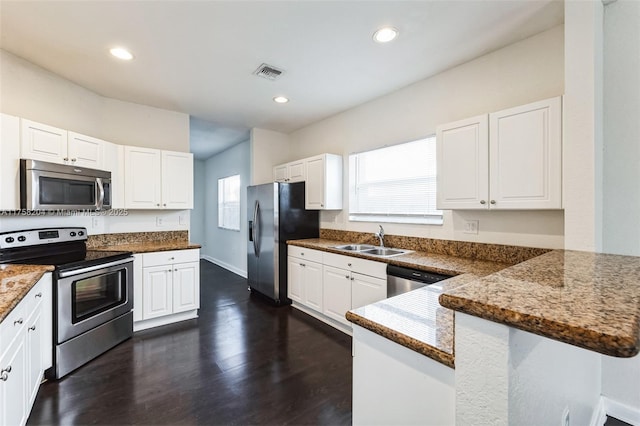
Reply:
x=198, y=57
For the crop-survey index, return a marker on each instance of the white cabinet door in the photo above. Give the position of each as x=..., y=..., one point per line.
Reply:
x=186, y=286
x=336, y=293
x=313, y=286
x=323, y=189
x=296, y=171
x=9, y=162
x=13, y=391
x=177, y=180
x=43, y=142
x=280, y=173
x=295, y=279
x=314, y=188
x=46, y=320
x=525, y=146
x=462, y=150
x=85, y=151
x=142, y=173
x=158, y=292
x=366, y=290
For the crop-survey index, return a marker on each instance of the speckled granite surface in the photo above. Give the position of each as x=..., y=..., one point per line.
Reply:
x=415, y=319
x=15, y=283
x=585, y=299
x=141, y=242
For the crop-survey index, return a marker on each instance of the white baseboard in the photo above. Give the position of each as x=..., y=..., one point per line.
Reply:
x=224, y=265
x=621, y=411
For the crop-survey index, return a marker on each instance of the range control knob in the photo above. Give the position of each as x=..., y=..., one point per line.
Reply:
x=22, y=238
x=73, y=234
x=9, y=239
x=80, y=233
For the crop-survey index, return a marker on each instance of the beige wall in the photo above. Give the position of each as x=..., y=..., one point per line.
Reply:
x=29, y=91
x=268, y=148
x=530, y=70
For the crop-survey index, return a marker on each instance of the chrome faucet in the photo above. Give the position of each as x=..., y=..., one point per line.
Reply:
x=380, y=235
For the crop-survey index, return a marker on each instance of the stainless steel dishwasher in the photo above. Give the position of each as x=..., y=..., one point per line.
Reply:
x=401, y=280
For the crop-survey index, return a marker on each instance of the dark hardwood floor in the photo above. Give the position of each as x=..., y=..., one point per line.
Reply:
x=242, y=362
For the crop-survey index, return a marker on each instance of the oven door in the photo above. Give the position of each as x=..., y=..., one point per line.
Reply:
x=89, y=297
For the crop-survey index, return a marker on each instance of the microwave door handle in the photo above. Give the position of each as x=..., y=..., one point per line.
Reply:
x=100, y=202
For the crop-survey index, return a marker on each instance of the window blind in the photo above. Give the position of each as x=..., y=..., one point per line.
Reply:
x=395, y=183
x=229, y=202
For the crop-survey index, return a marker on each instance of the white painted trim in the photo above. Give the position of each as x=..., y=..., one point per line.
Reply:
x=168, y=319
x=224, y=265
x=621, y=411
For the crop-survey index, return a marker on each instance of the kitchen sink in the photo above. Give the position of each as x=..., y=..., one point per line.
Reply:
x=384, y=251
x=355, y=247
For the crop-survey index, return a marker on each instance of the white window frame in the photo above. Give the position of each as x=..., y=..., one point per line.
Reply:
x=430, y=215
x=229, y=204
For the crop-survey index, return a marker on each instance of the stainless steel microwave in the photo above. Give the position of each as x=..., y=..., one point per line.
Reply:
x=50, y=186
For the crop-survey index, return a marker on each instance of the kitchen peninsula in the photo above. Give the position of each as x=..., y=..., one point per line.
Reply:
x=550, y=317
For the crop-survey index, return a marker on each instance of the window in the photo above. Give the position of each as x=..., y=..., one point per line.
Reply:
x=229, y=202
x=395, y=184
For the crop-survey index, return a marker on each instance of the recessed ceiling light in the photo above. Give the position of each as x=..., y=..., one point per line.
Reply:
x=385, y=34
x=121, y=53
x=281, y=99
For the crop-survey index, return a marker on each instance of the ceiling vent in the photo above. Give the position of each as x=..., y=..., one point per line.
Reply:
x=269, y=72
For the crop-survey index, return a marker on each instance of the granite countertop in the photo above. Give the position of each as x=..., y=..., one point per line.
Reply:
x=15, y=283
x=415, y=319
x=584, y=299
x=149, y=246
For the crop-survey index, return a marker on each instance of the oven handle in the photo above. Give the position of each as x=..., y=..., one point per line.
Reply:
x=65, y=274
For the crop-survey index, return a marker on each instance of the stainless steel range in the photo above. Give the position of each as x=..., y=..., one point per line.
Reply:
x=93, y=291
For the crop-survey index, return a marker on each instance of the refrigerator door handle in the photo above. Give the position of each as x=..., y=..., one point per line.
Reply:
x=256, y=228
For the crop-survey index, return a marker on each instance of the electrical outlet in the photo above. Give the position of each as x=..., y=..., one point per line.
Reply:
x=471, y=227
x=182, y=220
x=158, y=221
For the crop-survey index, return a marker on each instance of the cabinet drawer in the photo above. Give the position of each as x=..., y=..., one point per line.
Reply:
x=34, y=297
x=356, y=264
x=12, y=325
x=170, y=257
x=305, y=253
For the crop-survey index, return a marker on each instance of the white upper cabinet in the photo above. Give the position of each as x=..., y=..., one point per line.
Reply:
x=323, y=189
x=462, y=150
x=43, y=142
x=85, y=151
x=156, y=179
x=511, y=159
x=294, y=171
x=47, y=143
x=525, y=156
x=142, y=168
x=177, y=180
x=9, y=162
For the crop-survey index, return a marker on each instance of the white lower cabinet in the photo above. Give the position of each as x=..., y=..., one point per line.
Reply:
x=166, y=287
x=336, y=293
x=25, y=352
x=327, y=285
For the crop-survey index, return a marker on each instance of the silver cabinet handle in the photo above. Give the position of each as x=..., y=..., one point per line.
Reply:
x=39, y=295
x=351, y=278
x=32, y=328
x=348, y=264
x=493, y=201
x=175, y=270
x=73, y=159
x=346, y=276
x=4, y=376
x=168, y=270
x=8, y=369
x=172, y=258
x=158, y=205
x=303, y=265
x=483, y=202
x=18, y=321
x=66, y=158
x=165, y=204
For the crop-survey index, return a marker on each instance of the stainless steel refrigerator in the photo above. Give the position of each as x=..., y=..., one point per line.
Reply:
x=276, y=214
